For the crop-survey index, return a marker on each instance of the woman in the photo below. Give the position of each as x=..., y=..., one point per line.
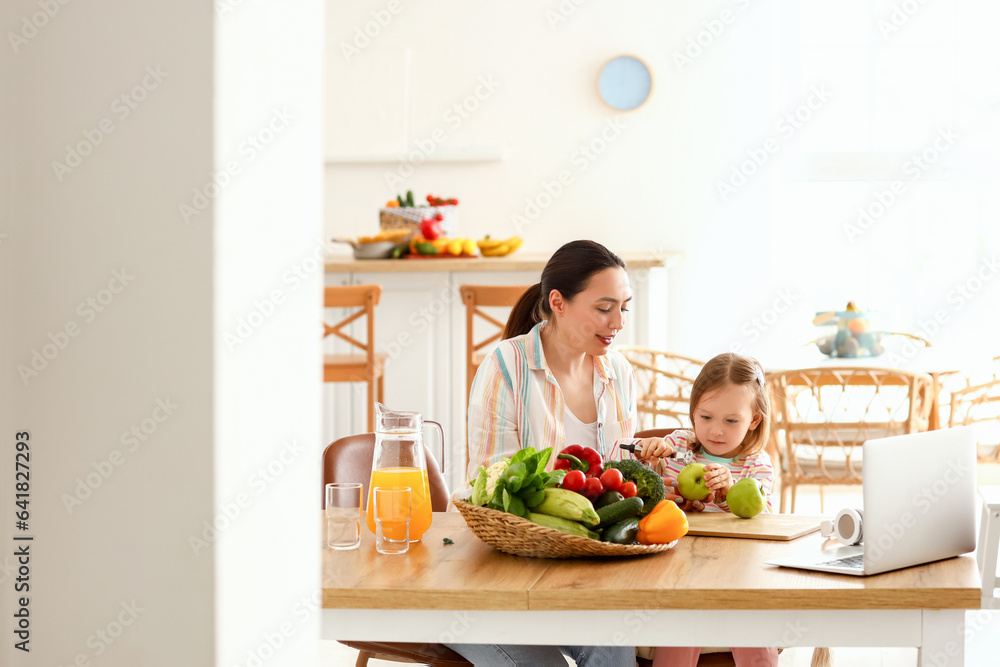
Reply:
x=553, y=381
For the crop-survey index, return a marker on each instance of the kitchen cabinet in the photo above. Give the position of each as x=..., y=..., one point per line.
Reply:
x=420, y=325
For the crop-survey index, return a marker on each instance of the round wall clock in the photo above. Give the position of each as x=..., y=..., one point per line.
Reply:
x=625, y=83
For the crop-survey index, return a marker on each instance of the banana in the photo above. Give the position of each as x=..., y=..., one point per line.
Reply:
x=486, y=243
x=490, y=248
x=564, y=525
x=567, y=505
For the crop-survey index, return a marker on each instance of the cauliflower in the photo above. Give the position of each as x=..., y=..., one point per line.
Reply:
x=486, y=483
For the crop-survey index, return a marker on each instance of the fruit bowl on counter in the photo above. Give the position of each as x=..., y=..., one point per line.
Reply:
x=513, y=535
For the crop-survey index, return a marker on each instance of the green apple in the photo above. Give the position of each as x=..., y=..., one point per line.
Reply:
x=691, y=482
x=746, y=498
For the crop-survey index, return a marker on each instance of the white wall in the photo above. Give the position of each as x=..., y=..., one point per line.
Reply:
x=651, y=187
x=116, y=518
x=655, y=187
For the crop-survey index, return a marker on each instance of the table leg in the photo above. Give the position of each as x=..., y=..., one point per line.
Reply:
x=942, y=638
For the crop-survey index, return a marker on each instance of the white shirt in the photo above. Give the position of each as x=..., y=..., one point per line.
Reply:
x=578, y=433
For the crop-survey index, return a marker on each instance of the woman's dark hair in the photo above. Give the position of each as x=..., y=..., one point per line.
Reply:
x=569, y=270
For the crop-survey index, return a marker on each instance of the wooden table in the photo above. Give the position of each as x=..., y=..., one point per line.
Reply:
x=707, y=591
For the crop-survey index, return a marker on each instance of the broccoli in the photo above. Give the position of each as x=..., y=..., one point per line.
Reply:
x=649, y=485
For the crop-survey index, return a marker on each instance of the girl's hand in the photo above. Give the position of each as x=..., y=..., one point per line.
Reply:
x=718, y=478
x=687, y=505
x=654, y=448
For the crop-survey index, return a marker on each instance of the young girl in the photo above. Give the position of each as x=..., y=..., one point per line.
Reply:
x=730, y=410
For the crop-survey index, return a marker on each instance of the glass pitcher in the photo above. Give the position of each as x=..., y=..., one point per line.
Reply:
x=399, y=461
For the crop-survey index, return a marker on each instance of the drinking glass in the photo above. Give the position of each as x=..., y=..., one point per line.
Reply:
x=392, y=519
x=343, y=515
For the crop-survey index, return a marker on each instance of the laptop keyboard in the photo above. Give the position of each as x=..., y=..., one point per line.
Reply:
x=851, y=561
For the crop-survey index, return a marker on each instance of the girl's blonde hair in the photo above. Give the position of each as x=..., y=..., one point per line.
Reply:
x=742, y=371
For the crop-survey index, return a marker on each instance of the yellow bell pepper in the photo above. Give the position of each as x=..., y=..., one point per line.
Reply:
x=663, y=525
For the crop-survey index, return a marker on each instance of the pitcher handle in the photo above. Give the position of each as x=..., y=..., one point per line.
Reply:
x=441, y=434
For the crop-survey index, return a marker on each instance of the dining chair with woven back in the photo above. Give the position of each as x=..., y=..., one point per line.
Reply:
x=977, y=404
x=349, y=459
x=366, y=366
x=664, y=382
x=822, y=416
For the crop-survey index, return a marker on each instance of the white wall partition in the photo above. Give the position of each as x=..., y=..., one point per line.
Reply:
x=162, y=176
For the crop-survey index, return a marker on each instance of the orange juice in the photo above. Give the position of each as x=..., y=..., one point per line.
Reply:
x=420, y=496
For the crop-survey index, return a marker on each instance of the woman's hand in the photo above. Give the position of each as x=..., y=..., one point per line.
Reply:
x=654, y=448
x=672, y=493
x=718, y=478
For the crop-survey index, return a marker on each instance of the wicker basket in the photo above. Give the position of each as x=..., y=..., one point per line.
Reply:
x=409, y=218
x=513, y=535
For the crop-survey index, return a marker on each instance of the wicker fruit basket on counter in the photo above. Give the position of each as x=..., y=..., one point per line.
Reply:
x=513, y=535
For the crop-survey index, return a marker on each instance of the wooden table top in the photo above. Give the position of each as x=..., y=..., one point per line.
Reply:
x=516, y=262
x=699, y=573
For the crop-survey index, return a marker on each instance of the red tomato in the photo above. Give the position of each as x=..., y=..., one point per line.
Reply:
x=612, y=479
x=592, y=487
x=628, y=489
x=574, y=481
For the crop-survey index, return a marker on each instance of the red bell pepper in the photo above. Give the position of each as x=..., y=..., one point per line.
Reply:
x=578, y=457
x=430, y=229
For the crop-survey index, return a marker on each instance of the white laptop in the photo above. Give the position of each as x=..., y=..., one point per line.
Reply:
x=919, y=505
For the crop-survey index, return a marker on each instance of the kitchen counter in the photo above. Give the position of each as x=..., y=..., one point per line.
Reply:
x=516, y=262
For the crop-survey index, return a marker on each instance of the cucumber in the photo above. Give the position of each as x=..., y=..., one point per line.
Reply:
x=619, y=511
x=424, y=248
x=623, y=532
x=608, y=498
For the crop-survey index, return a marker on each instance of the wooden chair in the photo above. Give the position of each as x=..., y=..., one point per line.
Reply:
x=349, y=459
x=664, y=381
x=475, y=298
x=978, y=405
x=823, y=415
x=368, y=367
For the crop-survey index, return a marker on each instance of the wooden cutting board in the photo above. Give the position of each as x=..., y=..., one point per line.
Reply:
x=761, y=527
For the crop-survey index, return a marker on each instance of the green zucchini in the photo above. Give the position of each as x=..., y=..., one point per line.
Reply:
x=623, y=532
x=564, y=525
x=619, y=511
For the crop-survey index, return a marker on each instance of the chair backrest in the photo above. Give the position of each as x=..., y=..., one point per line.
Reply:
x=475, y=298
x=349, y=459
x=362, y=297
x=978, y=405
x=825, y=414
x=664, y=382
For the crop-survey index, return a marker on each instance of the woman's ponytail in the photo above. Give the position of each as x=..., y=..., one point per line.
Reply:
x=525, y=313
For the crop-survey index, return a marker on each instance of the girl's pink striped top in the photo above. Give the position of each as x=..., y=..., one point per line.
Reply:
x=689, y=451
